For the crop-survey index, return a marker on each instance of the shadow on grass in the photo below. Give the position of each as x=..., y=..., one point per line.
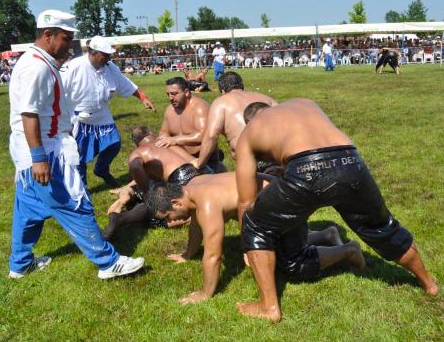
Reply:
x=122, y=180
x=376, y=267
x=123, y=116
x=233, y=261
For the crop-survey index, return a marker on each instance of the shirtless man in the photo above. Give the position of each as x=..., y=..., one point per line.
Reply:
x=185, y=121
x=211, y=201
x=197, y=82
x=226, y=114
x=149, y=163
x=322, y=168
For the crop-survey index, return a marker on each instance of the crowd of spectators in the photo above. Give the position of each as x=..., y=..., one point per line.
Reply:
x=354, y=50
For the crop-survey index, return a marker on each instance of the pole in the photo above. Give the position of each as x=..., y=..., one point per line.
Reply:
x=233, y=48
x=317, y=44
x=440, y=64
x=176, y=3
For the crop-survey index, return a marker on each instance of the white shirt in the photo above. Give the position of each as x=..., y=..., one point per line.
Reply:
x=89, y=90
x=32, y=90
x=326, y=49
x=219, y=54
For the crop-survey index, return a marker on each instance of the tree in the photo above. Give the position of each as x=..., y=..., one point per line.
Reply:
x=17, y=23
x=265, y=22
x=394, y=17
x=416, y=11
x=358, y=15
x=98, y=17
x=165, y=22
x=88, y=17
x=207, y=20
x=113, y=17
x=132, y=30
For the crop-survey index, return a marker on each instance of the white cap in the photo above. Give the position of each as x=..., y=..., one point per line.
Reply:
x=55, y=18
x=217, y=43
x=328, y=40
x=100, y=44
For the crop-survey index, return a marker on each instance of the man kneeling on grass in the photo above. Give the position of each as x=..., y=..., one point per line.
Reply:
x=211, y=201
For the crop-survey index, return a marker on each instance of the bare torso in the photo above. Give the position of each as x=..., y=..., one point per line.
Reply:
x=294, y=126
x=234, y=104
x=184, y=122
x=160, y=162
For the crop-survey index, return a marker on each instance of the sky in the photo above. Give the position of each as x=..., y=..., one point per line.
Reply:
x=281, y=12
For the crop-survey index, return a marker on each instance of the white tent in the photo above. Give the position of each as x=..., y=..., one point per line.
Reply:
x=268, y=32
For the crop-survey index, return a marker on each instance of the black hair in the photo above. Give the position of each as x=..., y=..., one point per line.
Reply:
x=230, y=81
x=180, y=81
x=252, y=109
x=160, y=196
x=39, y=32
x=138, y=133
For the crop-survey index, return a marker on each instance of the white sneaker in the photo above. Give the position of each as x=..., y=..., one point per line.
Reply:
x=124, y=265
x=36, y=265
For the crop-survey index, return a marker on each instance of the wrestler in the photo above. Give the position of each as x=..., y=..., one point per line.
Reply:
x=388, y=56
x=226, y=114
x=211, y=201
x=149, y=163
x=197, y=82
x=185, y=121
x=322, y=168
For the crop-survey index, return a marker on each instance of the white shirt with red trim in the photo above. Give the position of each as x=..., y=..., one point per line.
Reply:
x=33, y=89
x=219, y=54
x=89, y=90
x=36, y=88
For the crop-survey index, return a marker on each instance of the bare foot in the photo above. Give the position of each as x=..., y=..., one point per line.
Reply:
x=256, y=309
x=333, y=236
x=194, y=297
x=178, y=258
x=430, y=286
x=355, y=257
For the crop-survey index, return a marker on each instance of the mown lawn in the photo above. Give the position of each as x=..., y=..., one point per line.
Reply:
x=397, y=123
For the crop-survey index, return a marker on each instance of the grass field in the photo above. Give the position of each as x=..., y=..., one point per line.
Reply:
x=396, y=122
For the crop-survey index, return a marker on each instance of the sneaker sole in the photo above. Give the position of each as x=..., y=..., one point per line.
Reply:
x=112, y=275
x=16, y=275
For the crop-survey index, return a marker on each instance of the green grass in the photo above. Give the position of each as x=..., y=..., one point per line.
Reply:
x=397, y=123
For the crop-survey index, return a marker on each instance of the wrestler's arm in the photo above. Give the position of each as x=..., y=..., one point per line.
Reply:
x=215, y=126
x=164, y=129
x=212, y=222
x=31, y=127
x=138, y=173
x=245, y=174
x=194, y=243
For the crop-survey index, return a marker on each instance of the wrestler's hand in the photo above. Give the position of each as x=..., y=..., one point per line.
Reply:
x=195, y=162
x=166, y=141
x=246, y=261
x=194, y=297
x=41, y=173
x=178, y=258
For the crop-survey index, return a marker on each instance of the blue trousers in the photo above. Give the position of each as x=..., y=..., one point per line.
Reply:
x=328, y=62
x=35, y=203
x=103, y=141
x=218, y=70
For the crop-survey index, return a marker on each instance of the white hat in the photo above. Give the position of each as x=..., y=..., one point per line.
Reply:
x=55, y=18
x=328, y=40
x=100, y=44
x=217, y=43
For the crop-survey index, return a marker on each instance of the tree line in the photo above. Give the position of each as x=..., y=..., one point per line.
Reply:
x=105, y=18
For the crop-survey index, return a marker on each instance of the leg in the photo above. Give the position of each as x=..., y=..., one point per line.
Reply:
x=138, y=214
x=82, y=170
x=412, y=261
x=263, y=265
x=27, y=225
x=326, y=237
x=351, y=252
x=105, y=158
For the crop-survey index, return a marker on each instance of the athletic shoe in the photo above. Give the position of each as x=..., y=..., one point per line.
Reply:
x=36, y=265
x=109, y=179
x=124, y=265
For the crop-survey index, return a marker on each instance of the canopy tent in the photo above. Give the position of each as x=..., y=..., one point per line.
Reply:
x=321, y=30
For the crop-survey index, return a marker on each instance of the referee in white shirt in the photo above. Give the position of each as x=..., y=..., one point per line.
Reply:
x=90, y=82
x=328, y=58
x=45, y=156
